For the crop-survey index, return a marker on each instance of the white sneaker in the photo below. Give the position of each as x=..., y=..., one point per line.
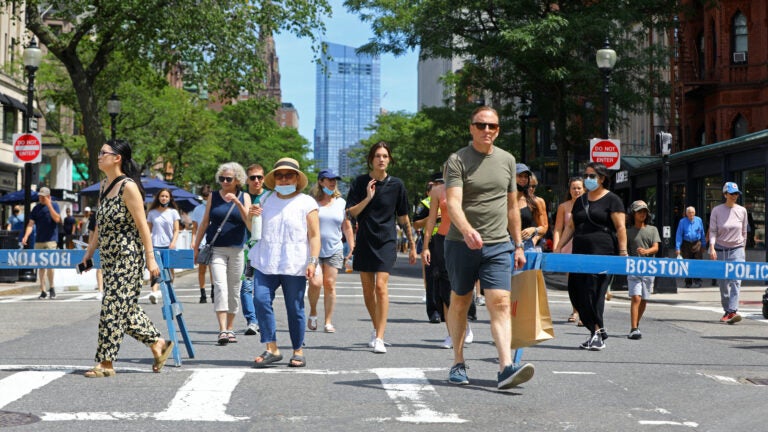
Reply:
x=155, y=296
x=99, y=296
x=378, y=346
x=373, y=339
x=447, y=343
x=469, y=337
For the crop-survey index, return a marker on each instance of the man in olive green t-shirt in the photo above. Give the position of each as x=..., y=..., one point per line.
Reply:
x=480, y=182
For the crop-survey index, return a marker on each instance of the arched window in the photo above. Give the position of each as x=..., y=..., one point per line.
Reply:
x=740, y=126
x=740, y=35
x=701, y=45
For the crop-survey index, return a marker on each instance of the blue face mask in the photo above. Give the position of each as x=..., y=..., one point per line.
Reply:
x=590, y=184
x=285, y=189
x=327, y=191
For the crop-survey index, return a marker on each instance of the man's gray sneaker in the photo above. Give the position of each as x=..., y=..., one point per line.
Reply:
x=635, y=334
x=514, y=375
x=458, y=374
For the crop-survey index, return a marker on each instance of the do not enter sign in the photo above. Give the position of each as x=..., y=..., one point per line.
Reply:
x=607, y=152
x=27, y=148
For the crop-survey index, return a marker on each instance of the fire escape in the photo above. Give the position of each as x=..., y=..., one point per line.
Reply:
x=691, y=79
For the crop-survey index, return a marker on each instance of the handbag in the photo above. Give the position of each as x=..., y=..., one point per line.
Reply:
x=531, y=320
x=205, y=254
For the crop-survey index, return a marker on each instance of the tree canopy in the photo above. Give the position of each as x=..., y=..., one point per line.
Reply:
x=537, y=55
x=215, y=42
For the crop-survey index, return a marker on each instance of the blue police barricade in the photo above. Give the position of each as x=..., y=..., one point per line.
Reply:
x=69, y=258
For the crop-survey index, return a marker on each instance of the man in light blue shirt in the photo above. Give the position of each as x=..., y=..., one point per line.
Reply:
x=690, y=240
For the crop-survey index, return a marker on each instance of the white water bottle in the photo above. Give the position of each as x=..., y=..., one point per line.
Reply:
x=256, y=227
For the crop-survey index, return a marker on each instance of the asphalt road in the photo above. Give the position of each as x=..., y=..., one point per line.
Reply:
x=687, y=373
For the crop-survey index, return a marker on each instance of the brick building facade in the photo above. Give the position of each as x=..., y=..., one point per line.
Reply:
x=721, y=83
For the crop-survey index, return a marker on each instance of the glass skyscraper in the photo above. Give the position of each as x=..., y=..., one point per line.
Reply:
x=348, y=101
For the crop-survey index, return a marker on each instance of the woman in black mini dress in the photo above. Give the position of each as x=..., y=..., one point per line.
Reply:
x=376, y=200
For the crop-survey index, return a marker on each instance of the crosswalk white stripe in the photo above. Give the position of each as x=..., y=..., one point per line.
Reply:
x=204, y=397
x=413, y=395
x=23, y=383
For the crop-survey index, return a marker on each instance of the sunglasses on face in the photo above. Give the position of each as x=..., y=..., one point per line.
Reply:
x=223, y=179
x=482, y=126
x=532, y=186
x=255, y=177
x=288, y=176
x=590, y=176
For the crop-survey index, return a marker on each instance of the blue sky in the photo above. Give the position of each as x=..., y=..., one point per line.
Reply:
x=297, y=70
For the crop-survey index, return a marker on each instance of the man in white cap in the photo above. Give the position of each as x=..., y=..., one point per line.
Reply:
x=45, y=216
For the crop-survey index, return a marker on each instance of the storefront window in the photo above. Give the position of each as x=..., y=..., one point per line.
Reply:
x=753, y=189
x=713, y=196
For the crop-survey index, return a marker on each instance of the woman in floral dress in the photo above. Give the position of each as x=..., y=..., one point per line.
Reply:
x=123, y=237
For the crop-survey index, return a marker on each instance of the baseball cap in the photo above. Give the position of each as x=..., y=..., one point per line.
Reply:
x=44, y=191
x=638, y=205
x=329, y=174
x=731, y=187
x=521, y=168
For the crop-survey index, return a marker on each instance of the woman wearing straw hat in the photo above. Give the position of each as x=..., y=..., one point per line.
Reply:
x=376, y=199
x=287, y=255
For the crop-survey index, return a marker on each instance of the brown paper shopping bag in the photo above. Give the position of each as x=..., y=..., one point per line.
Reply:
x=531, y=320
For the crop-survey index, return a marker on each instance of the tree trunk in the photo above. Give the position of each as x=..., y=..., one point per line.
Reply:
x=91, y=127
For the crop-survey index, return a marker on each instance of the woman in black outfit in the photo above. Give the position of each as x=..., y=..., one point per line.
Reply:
x=376, y=199
x=598, y=227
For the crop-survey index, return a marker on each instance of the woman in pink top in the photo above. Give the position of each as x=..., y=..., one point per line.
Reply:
x=727, y=238
x=575, y=189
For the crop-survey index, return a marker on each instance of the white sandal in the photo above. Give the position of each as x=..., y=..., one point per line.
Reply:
x=329, y=328
x=312, y=323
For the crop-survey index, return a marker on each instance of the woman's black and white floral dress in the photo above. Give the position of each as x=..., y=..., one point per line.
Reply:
x=122, y=263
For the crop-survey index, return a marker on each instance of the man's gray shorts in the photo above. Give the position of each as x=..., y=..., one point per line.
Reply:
x=491, y=264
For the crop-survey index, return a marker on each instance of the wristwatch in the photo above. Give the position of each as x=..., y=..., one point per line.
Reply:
x=314, y=260
x=519, y=245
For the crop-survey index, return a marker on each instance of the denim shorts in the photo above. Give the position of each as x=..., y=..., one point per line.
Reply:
x=491, y=264
x=336, y=260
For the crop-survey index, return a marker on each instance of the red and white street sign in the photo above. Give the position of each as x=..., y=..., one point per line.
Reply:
x=27, y=148
x=607, y=152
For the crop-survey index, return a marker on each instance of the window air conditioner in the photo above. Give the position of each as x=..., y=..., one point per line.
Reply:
x=739, y=57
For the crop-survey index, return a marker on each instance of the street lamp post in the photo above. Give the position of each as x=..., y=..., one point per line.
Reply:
x=606, y=59
x=113, y=108
x=32, y=58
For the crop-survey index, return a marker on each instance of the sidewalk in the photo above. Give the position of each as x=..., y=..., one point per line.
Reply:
x=707, y=295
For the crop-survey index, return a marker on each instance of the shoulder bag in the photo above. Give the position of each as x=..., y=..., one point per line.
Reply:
x=206, y=252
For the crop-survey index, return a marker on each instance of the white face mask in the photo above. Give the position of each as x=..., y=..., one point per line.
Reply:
x=590, y=184
x=285, y=189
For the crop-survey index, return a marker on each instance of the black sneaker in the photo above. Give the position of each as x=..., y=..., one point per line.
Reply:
x=203, y=299
x=586, y=343
x=52, y=293
x=603, y=333
x=597, y=343
x=635, y=334
x=212, y=294
x=42, y=295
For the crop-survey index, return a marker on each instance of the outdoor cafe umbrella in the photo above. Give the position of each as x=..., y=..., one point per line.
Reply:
x=17, y=197
x=151, y=186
